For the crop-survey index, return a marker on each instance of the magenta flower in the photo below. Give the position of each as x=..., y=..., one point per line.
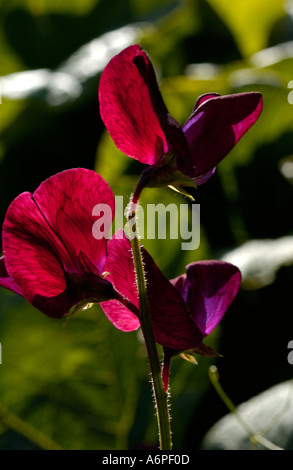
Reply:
x=50, y=255
x=183, y=316
x=184, y=310
x=52, y=259
x=208, y=289
x=171, y=321
x=138, y=121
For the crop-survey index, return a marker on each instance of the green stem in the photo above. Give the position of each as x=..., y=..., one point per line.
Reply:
x=11, y=421
x=254, y=437
x=161, y=397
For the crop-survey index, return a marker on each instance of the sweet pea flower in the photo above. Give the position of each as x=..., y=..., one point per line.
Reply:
x=52, y=259
x=50, y=255
x=208, y=288
x=136, y=117
x=171, y=321
x=184, y=315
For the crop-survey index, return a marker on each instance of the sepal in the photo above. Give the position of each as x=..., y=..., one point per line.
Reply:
x=163, y=175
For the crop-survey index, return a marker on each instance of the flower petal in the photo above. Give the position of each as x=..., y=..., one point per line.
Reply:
x=208, y=288
x=201, y=179
x=120, y=272
x=31, y=258
x=57, y=306
x=66, y=201
x=201, y=99
x=127, y=108
x=48, y=236
x=5, y=280
x=214, y=128
x=172, y=325
x=121, y=317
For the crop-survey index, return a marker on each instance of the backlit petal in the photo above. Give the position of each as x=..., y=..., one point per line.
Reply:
x=120, y=272
x=48, y=236
x=54, y=307
x=5, y=280
x=31, y=251
x=172, y=325
x=127, y=108
x=67, y=201
x=215, y=127
x=57, y=306
x=208, y=288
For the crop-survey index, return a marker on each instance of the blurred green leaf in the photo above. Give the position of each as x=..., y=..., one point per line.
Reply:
x=85, y=385
x=250, y=21
x=77, y=383
x=41, y=7
x=81, y=384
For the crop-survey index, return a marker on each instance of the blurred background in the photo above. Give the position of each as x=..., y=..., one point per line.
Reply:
x=85, y=385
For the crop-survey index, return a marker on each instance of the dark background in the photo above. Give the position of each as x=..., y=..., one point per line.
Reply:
x=85, y=385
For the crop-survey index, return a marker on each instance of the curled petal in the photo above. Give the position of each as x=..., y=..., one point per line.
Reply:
x=208, y=288
x=215, y=127
x=203, y=98
x=127, y=108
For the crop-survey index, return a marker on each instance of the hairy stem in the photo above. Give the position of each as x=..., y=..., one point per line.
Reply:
x=160, y=395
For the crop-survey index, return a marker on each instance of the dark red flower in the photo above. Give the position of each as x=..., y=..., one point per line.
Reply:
x=184, y=310
x=208, y=288
x=138, y=121
x=53, y=260
x=171, y=321
x=50, y=255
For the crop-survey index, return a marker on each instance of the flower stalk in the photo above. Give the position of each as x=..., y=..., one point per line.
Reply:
x=160, y=395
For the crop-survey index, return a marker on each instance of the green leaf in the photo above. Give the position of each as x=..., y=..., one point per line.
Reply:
x=250, y=21
x=43, y=7
x=268, y=415
x=78, y=384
